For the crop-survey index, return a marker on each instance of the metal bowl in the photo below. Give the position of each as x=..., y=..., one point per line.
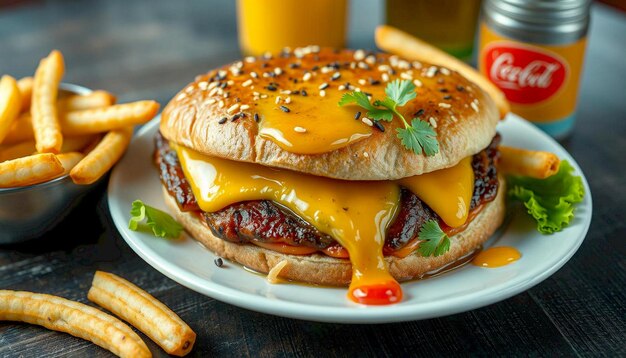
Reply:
x=29, y=212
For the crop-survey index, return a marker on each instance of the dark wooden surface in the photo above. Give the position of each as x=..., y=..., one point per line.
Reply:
x=151, y=49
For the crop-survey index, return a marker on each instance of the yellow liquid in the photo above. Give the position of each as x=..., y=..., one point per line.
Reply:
x=496, y=257
x=447, y=24
x=271, y=25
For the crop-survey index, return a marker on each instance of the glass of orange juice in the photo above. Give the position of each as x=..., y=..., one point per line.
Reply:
x=447, y=24
x=271, y=25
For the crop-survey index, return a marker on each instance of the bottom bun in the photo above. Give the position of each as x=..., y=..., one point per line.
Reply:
x=326, y=270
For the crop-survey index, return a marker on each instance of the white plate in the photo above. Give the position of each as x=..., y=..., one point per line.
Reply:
x=466, y=288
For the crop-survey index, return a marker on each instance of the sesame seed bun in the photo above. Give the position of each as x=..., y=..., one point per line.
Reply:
x=326, y=270
x=203, y=118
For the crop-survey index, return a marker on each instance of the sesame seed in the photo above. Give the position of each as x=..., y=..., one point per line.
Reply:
x=314, y=49
x=256, y=94
x=299, y=129
x=417, y=83
x=367, y=121
x=433, y=122
x=323, y=86
x=326, y=69
x=374, y=82
x=404, y=65
x=365, y=154
x=285, y=92
x=474, y=106
x=267, y=55
x=417, y=64
x=211, y=101
x=447, y=97
x=357, y=89
x=278, y=99
x=385, y=77
x=336, y=76
x=236, y=117
x=250, y=59
x=379, y=126
x=263, y=95
x=406, y=76
x=341, y=87
x=254, y=74
x=232, y=108
x=445, y=105
x=362, y=82
x=294, y=65
x=323, y=93
x=246, y=83
x=278, y=71
x=284, y=109
x=212, y=85
x=222, y=74
x=453, y=119
x=419, y=113
x=256, y=117
x=363, y=65
x=213, y=91
x=444, y=71
x=288, y=100
x=371, y=59
x=203, y=85
x=307, y=76
x=244, y=107
x=357, y=115
x=222, y=120
x=181, y=96
x=271, y=88
x=460, y=88
x=384, y=68
x=359, y=55
x=221, y=104
x=393, y=60
x=303, y=93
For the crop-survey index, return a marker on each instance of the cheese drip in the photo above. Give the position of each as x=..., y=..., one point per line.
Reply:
x=356, y=214
x=447, y=191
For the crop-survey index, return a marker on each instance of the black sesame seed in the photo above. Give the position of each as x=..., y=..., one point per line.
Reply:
x=324, y=86
x=447, y=97
x=419, y=113
x=222, y=120
x=315, y=68
x=460, y=88
x=374, y=82
x=444, y=90
x=284, y=109
x=357, y=115
x=294, y=65
x=271, y=88
x=379, y=126
x=256, y=117
x=367, y=94
x=218, y=262
x=265, y=65
x=303, y=93
x=392, y=72
x=223, y=85
x=235, y=117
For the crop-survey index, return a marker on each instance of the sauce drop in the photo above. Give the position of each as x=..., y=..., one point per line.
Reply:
x=496, y=257
x=376, y=294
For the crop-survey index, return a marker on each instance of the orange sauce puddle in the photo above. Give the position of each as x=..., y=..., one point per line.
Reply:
x=496, y=257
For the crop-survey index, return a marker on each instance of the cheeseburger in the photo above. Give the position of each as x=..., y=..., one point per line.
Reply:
x=345, y=167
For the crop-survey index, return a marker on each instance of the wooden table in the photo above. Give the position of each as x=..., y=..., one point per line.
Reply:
x=151, y=49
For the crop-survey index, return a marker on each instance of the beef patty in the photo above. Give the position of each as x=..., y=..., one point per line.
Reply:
x=268, y=222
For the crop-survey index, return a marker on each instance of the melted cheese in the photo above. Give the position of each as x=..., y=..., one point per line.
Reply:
x=448, y=191
x=339, y=208
x=356, y=214
x=497, y=256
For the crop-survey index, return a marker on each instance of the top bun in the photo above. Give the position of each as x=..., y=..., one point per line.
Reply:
x=204, y=116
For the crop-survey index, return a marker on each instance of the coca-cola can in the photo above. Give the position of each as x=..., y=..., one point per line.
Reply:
x=533, y=50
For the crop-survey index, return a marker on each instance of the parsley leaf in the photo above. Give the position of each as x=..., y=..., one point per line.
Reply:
x=400, y=92
x=161, y=223
x=420, y=135
x=435, y=242
x=359, y=98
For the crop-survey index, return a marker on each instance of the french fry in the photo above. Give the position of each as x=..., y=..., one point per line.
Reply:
x=143, y=311
x=43, y=107
x=79, y=320
x=77, y=143
x=14, y=151
x=102, y=157
x=21, y=130
x=26, y=91
x=402, y=44
x=95, y=99
x=109, y=118
x=69, y=161
x=10, y=104
x=29, y=170
x=535, y=164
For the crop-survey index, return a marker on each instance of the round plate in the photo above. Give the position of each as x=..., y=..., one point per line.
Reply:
x=463, y=289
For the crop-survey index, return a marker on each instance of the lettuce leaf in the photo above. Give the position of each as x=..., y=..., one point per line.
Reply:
x=161, y=223
x=549, y=201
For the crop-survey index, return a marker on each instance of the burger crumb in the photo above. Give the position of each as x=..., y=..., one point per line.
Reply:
x=218, y=262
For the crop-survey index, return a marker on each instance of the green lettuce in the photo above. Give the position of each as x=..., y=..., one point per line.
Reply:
x=161, y=223
x=549, y=201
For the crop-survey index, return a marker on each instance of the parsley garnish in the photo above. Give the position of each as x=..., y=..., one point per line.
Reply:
x=417, y=136
x=435, y=242
x=161, y=223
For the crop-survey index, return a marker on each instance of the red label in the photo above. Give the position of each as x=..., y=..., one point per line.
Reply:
x=525, y=75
